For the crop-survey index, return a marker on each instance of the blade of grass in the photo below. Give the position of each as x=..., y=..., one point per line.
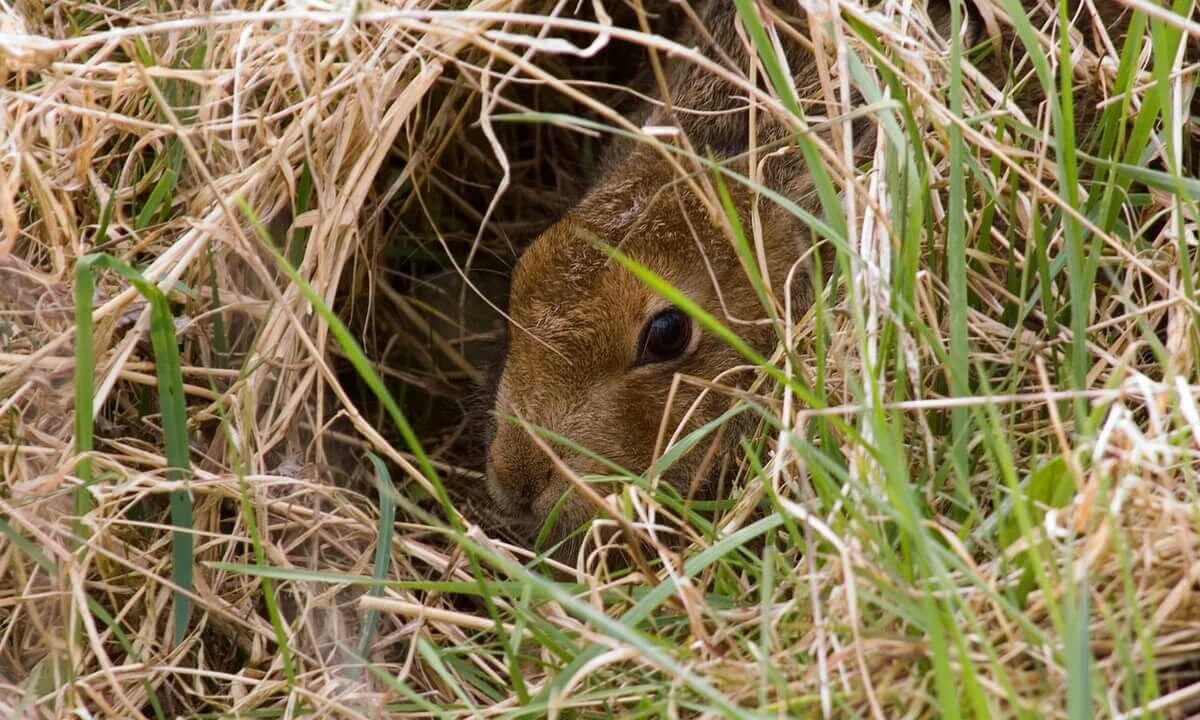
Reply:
x=1079, y=657
x=169, y=373
x=433, y=658
x=383, y=549
x=779, y=76
x=956, y=268
x=85, y=381
x=1165, y=46
x=742, y=246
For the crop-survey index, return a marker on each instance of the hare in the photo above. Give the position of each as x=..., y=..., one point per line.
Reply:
x=593, y=351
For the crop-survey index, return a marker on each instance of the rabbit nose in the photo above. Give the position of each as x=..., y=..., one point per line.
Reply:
x=517, y=470
x=518, y=492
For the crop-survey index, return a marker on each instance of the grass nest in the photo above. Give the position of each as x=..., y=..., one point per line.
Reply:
x=251, y=260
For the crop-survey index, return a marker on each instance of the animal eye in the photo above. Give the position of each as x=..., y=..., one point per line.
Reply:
x=665, y=337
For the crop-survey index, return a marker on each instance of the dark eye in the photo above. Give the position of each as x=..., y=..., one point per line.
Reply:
x=665, y=337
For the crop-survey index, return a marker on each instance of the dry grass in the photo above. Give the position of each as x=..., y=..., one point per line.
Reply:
x=873, y=567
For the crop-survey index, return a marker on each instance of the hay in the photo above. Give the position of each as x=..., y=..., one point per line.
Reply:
x=363, y=138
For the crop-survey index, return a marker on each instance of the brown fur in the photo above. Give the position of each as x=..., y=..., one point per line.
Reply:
x=576, y=314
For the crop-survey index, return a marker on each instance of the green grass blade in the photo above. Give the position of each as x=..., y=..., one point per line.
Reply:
x=85, y=381
x=742, y=246
x=29, y=548
x=433, y=658
x=956, y=267
x=1079, y=659
x=169, y=372
x=383, y=549
x=780, y=75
